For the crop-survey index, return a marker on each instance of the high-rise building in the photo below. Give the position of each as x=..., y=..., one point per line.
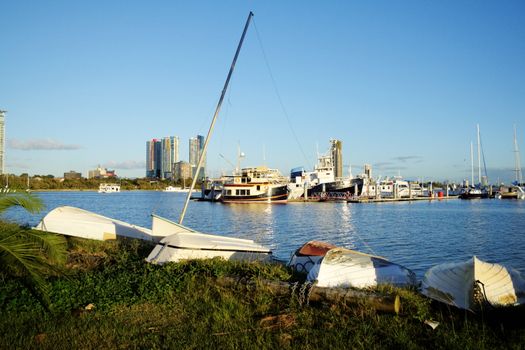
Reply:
x=182, y=170
x=153, y=160
x=2, y=140
x=336, y=151
x=170, y=156
x=160, y=157
x=196, y=148
x=72, y=175
x=101, y=173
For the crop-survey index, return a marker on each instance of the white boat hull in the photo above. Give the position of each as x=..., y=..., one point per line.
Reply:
x=310, y=254
x=183, y=243
x=347, y=268
x=468, y=284
x=71, y=221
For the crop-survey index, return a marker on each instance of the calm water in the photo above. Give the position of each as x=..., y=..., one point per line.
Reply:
x=417, y=235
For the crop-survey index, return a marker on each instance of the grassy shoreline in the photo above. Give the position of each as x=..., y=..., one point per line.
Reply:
x=111, y=298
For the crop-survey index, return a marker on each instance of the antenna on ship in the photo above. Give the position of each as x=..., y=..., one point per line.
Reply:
x=240, y=155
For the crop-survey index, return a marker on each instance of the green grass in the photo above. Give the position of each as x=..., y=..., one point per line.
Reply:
x=139, y=305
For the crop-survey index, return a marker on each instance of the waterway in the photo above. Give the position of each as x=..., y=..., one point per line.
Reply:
x=415, y=234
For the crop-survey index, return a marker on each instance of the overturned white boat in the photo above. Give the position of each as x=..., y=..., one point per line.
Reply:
x=71, y=221
x=473, y=283
x=183, y=243
x=340, y=267
x=308, y=255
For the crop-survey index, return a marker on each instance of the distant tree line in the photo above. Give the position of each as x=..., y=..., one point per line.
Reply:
x=49, y=182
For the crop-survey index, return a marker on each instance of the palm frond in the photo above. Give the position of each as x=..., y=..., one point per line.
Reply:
x=54, y=246
x=30, y=255
x=29, y=202
x=23, y=259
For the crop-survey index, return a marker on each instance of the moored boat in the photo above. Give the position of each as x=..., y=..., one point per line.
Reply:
x=108, y=188
x=473, y=193
x=177, y=189
x=255, y=185
x=509, y=192
x=474, y=283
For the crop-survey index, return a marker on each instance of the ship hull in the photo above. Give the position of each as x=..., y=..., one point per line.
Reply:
x=277, y=194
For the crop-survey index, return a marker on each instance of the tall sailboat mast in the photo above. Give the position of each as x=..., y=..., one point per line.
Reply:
x=472, y=163
x=201, y=158
x=479, y=157
x=519, y=178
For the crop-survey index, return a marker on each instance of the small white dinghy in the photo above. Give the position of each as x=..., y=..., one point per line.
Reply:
x=340, y=267
x=308, y=255
x=472, y=283
x=71, y=221
x=182, y=243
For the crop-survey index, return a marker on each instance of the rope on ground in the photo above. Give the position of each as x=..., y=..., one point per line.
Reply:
x=301, y=292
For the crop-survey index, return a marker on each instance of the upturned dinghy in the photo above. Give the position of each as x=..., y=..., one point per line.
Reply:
x=72, y=221
x=340, y=267
x=308, y=255
x=473, y=283
x=182, y=243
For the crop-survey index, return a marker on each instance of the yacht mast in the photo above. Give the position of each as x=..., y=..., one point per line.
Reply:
x=471, y=163
x=201, y=158
x=519, y=178
x=479, y=158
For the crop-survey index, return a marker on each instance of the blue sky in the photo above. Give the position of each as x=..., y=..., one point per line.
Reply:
x=402, y=83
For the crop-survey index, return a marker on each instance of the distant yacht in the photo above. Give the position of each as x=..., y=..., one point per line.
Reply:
x=473, y=193
x=517, y=190
x=255, y=185
x=177, y=189
x=476, y=191
x=108, y=188
x=302, y=182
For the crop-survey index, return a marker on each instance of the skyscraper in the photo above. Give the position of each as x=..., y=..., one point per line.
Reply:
x=2, y=140
x=170, y=156
x=153, y=158
x=336, y=151
x=196, y=148
x=160, y=157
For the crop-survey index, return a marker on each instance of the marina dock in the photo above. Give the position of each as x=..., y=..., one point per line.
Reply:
x=351, y=199
x=381, y=200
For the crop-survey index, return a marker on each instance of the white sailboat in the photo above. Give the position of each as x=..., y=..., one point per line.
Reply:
x=177, y=242
x=475, y=192
x=517, y=189
x=185, y=243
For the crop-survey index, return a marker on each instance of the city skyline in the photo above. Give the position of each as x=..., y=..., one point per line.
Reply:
x=402, y=85
x=162, y=154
